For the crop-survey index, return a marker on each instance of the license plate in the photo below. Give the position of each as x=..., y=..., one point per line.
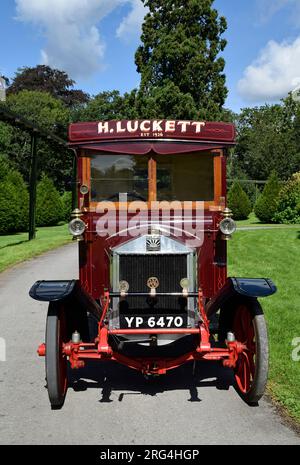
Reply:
x=153, y=321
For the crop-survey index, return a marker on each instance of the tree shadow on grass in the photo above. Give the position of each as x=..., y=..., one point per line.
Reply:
x=12, y=244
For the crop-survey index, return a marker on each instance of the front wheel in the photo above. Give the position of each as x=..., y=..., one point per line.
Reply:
x=251, y=371
x=56, y=361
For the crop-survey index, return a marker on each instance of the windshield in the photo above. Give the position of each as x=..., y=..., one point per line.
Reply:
x=112, y=175
x=183, y=177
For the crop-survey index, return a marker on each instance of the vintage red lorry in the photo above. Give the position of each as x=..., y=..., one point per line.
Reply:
x=152, y=227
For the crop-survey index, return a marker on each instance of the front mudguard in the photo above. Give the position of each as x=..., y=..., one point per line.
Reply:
x=53, y=291
x=75, y=301
x=240, y=288
x=65, y=291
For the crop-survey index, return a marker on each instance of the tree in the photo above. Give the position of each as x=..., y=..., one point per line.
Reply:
x=45, y=79
x=6, y=133
x=268, y=139
x=66, y=200
x=42, y=109
x=110, y=105
x=179, y=60
x=236, y=173
x=49, y=208
x=8, y=215
x=266, y=203
x=288, y=205
x=50, y=114
x=167, y=102
x=13, y=201
x=20, y=202
x=4, y=167
x=238, y=202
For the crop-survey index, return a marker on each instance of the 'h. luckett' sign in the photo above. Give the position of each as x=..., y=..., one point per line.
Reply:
x=152, y=129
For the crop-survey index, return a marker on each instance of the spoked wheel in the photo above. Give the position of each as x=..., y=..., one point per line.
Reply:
x=56, y=361
x=251, y=371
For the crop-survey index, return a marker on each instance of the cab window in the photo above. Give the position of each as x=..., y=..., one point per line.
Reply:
x=183, y=177
x=112, y=175
x=187, y=177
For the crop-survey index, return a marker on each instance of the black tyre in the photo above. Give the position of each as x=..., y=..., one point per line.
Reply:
x=56, y=361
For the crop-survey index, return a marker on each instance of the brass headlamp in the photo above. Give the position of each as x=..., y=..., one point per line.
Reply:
x=77, y=225
x=227, y=225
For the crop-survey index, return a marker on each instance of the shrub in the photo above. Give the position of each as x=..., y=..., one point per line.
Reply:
x=8, y=214
x=266, y=205
x=20, y=201
x=13, y=203
x=49, y=209
x=239, y=202
x=4, y=167
x=288, y=204
x=66, y=200
x=252, y=191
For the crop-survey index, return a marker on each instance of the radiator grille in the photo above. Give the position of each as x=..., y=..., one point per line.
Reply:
x=169, y=269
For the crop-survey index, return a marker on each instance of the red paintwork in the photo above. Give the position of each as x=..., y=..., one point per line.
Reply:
x=94, y=261
x=188, y=130
x=101, y=350
x=94, y=250
x=41, y=350
x=144, y=148
x=78, y=354
x=245, y=368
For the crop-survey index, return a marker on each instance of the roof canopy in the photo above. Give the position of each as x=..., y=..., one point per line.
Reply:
x=200, y=133
x=144, y=147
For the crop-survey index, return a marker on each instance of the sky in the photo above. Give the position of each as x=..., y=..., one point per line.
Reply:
x=94, y=41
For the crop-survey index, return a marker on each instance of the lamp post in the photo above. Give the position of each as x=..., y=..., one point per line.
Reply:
x=32, y=187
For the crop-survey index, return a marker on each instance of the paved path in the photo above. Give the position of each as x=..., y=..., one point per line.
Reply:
x=109, y=404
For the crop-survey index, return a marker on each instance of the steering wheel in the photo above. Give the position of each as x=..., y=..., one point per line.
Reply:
x=129, y=194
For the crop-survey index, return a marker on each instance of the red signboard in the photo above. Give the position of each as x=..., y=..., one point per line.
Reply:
x=152, y=129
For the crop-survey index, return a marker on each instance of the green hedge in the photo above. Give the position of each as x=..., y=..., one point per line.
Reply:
x=266, y=205
x=288, y=204
x=66, y=200
x=239, y=202
x=49, y=207
x=8, y=212
x=13, y=200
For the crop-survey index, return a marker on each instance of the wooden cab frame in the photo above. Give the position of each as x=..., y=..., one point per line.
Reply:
x=217, y=203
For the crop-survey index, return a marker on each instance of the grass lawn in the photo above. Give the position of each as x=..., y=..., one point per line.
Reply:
x=16, y=248
x=251, y=221
x=254, y=221
x=275, y=254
